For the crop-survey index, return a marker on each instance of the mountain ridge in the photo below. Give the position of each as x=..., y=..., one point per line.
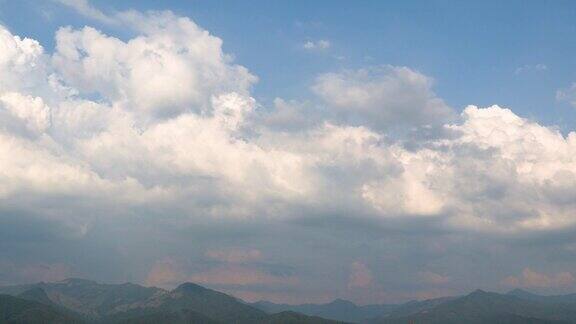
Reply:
x=78, y=300
x=88, y=301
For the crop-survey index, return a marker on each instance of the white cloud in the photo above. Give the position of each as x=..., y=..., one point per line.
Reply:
x=33, y=112
x=174, y=67
x=383, y=97
x=321, y=44
x=567, y=94
x=165, y=121
x=153, y=138
x=531, y=68
x=290, y=115
x=86, y=9
x=22, y=64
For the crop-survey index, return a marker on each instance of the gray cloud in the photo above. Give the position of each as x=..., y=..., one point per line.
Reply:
x=382, y=97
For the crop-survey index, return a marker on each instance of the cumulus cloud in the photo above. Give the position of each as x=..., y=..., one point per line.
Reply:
x=32, y=112
x=532, y=279
x=175, y=66
x=22, y=64
x=162, y=128
x=382, y=97
x=176, y=136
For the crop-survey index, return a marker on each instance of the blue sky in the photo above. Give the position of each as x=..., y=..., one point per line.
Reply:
x=479, y=53
x=290, y=151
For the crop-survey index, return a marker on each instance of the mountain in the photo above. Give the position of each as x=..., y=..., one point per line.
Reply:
x=36, y=294
x=214, y=304
x=89, y=298
x=167, y=317
x=569, y=298
x=289, y=317
x=416, y=306
x=17, y=310
x=90, y=302
x=482, y=307
x=339, y=309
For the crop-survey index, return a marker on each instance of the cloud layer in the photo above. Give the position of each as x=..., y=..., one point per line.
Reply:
x=158, y=138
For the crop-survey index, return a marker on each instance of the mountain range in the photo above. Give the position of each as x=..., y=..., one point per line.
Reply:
x=339, y=309
x=479, y=307
x=84, y=301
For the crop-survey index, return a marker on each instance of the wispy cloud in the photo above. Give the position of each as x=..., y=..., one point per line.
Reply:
x=567, y=94
x=317, y=45
x=531, y=68
x=84, y=8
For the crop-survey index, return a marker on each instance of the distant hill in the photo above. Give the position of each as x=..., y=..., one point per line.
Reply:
x=482, y=307
x=183, y=316
x=89, y=302
x=36, y=294
x=289, y=317
x=416, y=306
x=89, y=298
x=213, y=304
x=569, y=298
x=17, y=310
x=85, y=301
x=340, y=310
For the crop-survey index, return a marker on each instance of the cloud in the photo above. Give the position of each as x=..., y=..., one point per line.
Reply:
x=321, y=44
x=153, y=146
x=531, y=68
x=32, y=112
x=165, y=273
x=174, y=67
x=240, y=276
x=234, y=255
x=567, y=94
x=290, y=116
x=532, y=279
x=178, y=136
x=433, y=278
x=33, y=272
x=382, y=97
x=22, y=64
x=360, y=275
x=168, y=273
x=84, y=8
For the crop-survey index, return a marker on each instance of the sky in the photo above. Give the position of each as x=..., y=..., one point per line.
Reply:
x=291, y=152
